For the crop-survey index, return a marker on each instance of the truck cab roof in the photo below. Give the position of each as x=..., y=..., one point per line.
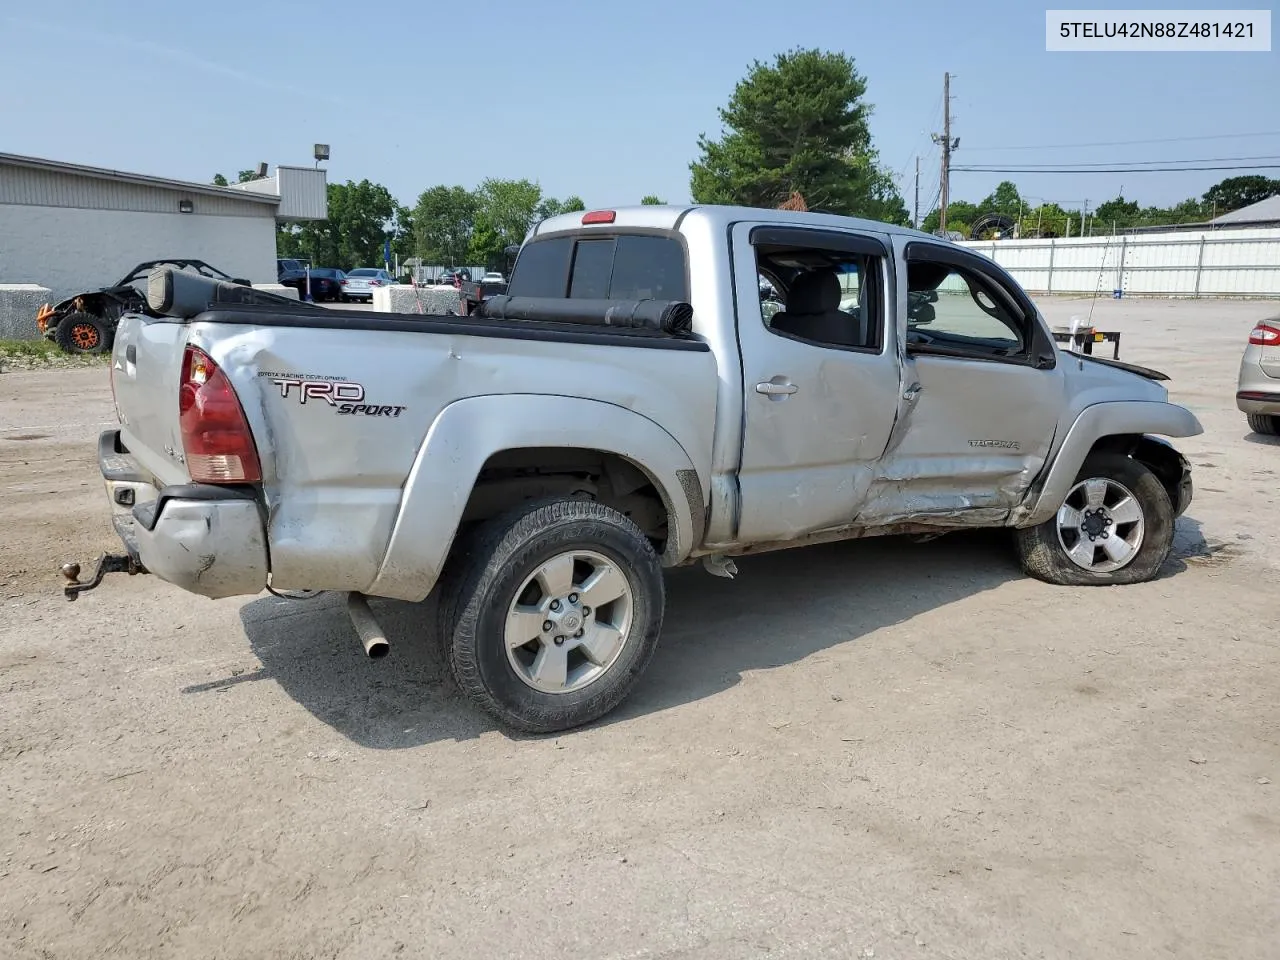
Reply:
x=673, y=217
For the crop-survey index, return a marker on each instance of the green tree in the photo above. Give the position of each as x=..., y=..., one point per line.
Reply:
x=220, y=181
x=797, y=124
x=1118, y=212
x=353, y=235
x=244, y=176
x=443, y=222
x=958, y=211
x=486, y=244
x=1004, y=200
x=573, y=204
x=1236, y=192
x=511, y=207
x=650, y=200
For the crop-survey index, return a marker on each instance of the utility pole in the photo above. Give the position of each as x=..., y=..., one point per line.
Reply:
x=948, y=144
x=915, y=210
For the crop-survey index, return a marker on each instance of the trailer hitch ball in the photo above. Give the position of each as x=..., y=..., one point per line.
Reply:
x=107, y=563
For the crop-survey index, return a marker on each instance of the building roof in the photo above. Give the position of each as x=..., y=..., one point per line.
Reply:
x=1264, y=211
x=121, y=176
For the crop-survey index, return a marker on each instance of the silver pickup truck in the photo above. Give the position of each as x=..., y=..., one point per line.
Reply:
x=633, y=402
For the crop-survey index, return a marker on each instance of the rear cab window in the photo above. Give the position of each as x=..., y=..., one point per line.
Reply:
x=602, y=266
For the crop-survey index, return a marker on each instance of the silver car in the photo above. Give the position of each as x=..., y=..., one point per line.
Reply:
x=1258, y=392
x=362, y=281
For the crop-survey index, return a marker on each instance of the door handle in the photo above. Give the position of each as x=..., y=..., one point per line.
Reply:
x=912, y=392
x=131, y=353
x=771, y=388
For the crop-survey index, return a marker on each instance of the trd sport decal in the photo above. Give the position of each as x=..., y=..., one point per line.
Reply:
x=344, y=396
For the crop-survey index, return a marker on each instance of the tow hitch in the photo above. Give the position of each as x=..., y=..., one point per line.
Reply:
x=107, y=563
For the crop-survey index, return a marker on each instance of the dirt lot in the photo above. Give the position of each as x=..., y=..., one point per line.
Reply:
x=879, y=748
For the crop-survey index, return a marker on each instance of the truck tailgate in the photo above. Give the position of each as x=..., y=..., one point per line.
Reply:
x=146, y=366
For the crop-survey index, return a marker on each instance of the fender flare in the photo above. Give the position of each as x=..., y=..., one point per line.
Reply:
x=469, y=431
x=1109, y=418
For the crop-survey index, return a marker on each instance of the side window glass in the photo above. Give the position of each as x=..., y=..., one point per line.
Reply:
x=827, y=298
x=955, y=309
x=770, y=298
x=592, y=268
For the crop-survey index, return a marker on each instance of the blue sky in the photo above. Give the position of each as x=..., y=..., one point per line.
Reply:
x=602, y=99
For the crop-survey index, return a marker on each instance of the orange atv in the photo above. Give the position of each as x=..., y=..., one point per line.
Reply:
x=86, y=323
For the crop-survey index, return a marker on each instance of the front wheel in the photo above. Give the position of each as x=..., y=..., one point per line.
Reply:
x=1115, y=527
x=550, y=613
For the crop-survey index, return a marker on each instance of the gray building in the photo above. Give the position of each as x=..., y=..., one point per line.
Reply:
x=70, y=227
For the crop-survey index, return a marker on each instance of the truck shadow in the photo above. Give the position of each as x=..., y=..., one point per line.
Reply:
x=782, y=608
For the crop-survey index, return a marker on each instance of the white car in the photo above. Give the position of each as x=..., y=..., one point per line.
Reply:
x=493, y=277
x=362, y=281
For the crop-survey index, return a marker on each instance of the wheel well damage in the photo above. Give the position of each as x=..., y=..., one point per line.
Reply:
x=511, y=477
x=1156, y=455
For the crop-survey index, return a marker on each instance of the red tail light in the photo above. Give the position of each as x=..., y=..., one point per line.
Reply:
x=343, y=282
x=1265, y=335
x=599, y=216
x=375, y=283
x=216, y=438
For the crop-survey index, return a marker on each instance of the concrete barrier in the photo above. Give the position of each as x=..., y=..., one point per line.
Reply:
x=402, y=298
x=18, y=305
x=279, y=289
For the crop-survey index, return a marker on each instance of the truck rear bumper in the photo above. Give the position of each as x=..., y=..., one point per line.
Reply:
x=204, y=538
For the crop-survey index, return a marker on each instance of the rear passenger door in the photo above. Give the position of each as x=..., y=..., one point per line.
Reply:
x=820, y=374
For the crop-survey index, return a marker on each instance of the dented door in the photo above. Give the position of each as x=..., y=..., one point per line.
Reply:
x=975, y=437
x=980, y=415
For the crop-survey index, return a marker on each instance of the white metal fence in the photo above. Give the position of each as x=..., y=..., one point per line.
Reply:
x=1212, y=263
x=428, y=274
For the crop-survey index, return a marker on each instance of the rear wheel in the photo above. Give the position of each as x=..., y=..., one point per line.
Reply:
x=550, y=614
x=1264, y=423
x=1115, y=527
x=82, y=333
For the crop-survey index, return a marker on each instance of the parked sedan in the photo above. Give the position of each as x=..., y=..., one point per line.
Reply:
x=362, y=281
x=326, y=283
x=1258, y=391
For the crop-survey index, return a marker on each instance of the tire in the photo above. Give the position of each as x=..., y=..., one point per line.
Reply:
x=500, y=565
x=1266, y=424
x=1145, y=525
x=83, y=333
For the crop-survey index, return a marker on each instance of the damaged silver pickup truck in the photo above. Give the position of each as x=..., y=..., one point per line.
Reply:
x=629, y=404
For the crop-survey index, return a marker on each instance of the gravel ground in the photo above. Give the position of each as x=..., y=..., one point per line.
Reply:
x=877, y=749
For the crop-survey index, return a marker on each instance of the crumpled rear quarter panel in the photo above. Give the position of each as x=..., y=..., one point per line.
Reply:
x=334, y=480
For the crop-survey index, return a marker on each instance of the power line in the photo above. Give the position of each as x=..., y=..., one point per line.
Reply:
x=1256, y=166
x=915, y=149
x=1129, y=143
x=1146, y=163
